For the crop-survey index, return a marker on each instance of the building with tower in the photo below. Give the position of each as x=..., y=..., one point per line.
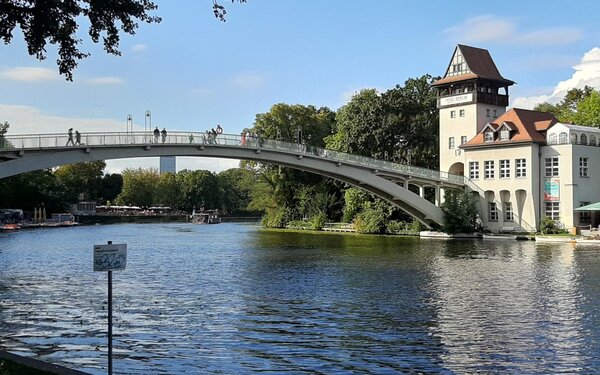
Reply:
x=526, y=164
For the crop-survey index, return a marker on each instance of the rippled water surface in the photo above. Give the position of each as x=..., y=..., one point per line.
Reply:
x=232, y=298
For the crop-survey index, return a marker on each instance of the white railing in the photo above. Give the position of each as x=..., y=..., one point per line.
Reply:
x=108, y=139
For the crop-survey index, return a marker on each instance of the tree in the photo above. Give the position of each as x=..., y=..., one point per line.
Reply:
x=110, y=187
x=200, y=189
x=169, y=191
x=588, y=110
x=30, y=190
x=3, y=129
x=138, y=187
x=399, y=125
x=568, y=110
x=57, y=22
x=238, y=187
x=460, y=211
x=81, y=178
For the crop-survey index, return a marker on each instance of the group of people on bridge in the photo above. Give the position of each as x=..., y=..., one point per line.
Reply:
x=160, y=133
x=70, y=137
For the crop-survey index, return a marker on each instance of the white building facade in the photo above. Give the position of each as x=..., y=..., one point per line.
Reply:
x=526, y=164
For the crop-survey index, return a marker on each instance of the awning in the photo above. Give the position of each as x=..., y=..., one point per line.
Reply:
x=589, y=207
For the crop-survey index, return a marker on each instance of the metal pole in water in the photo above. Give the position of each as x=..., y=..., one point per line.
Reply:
x=110, y=364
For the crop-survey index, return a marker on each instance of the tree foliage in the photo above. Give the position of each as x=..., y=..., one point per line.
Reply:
x=579, y=106
x=138, y=187
x=57, y=23
x=34, y=189
x=81, y=178
x=460, y=211
x=399, y=125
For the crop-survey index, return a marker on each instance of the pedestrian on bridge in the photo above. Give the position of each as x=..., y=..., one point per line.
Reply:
x=191, y=137
x=156, y=134
x=77, y=137
x=70, y=140
x=163, y=135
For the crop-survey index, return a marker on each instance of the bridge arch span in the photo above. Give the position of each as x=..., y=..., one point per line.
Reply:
x=369, y=178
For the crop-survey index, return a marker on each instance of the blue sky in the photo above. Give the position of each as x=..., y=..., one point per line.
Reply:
x=194, y=72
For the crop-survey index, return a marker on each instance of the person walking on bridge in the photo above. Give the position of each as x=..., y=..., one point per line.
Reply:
x=77, y=137
x=70, y=140
x=156, y=134
x=163, y=135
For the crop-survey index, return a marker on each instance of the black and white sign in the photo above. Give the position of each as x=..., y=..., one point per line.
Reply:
x=112, y=257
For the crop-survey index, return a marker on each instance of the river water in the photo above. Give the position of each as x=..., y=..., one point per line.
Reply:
x=232, y=298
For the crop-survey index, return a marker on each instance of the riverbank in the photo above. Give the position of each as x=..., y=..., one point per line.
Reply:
x=12, y=364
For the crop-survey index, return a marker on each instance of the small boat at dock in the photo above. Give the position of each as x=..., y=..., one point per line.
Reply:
x=205, y=217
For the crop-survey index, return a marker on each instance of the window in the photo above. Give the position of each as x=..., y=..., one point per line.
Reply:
x=488, y=136
x=495, y=113
x=452, y=114
x=508, y=212
x=451, y=143
x=489, y=169
x=504, y=134
x=585, y=217
x=493, y=211
x=474, y=170
x=592, y=140
x=574, y=138
x=552, y=167
x=583, y=167
x=463, y=139
x=520, y=168
x=487, y=112
x=505, y=168
x=461, y=113
x=583, y=139
x=552, y=210
x=563, y=138
x=552, y=139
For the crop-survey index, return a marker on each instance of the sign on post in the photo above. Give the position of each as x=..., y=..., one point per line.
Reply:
x=111, y=257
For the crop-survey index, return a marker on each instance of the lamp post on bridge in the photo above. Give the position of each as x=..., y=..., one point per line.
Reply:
x=148, y=121
x=129, y=125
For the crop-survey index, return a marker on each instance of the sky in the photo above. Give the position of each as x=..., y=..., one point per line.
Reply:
x=194, y=72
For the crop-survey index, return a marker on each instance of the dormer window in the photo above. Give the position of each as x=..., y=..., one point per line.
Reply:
x=488, y=136
x=504, y=134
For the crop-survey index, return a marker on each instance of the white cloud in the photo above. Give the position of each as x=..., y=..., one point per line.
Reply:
x=30, y=120
x=484, y=28
x=490, y=28
x=551, y=36
x=139, y=48
x=105, y=81
x=28, y=74
x=248, y=81
x=587, y=72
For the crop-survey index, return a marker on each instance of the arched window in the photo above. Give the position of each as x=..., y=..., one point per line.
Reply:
x=592, y=140
x=551, y=139
x=574, y=138
x=563, y=138
x=583, y=139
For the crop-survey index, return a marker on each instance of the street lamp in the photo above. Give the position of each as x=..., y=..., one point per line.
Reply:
x=147, y=120
x=129, y=125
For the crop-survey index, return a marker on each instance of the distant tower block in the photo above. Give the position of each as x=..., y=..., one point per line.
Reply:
x=168, y=164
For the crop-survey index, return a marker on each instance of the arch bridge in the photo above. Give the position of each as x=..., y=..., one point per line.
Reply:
x=392, y=182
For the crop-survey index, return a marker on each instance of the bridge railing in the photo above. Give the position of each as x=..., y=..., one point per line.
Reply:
x=49, y=141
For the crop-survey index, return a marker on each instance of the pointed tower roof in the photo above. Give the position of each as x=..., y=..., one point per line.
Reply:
x=471, y=63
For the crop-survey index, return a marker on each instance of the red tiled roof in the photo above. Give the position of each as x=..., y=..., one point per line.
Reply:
x=527, y=126
x=480, y=64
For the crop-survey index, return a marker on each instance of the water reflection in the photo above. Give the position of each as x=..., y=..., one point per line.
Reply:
x=236, y=299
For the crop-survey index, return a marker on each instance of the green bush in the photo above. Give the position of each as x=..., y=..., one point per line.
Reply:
x=275, y=218
x=460, y=212
x=549, y=226
x=317, y=222
x=370, y=220
x=395, y=226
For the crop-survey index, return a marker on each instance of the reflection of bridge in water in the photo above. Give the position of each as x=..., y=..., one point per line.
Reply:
x=400, y=184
